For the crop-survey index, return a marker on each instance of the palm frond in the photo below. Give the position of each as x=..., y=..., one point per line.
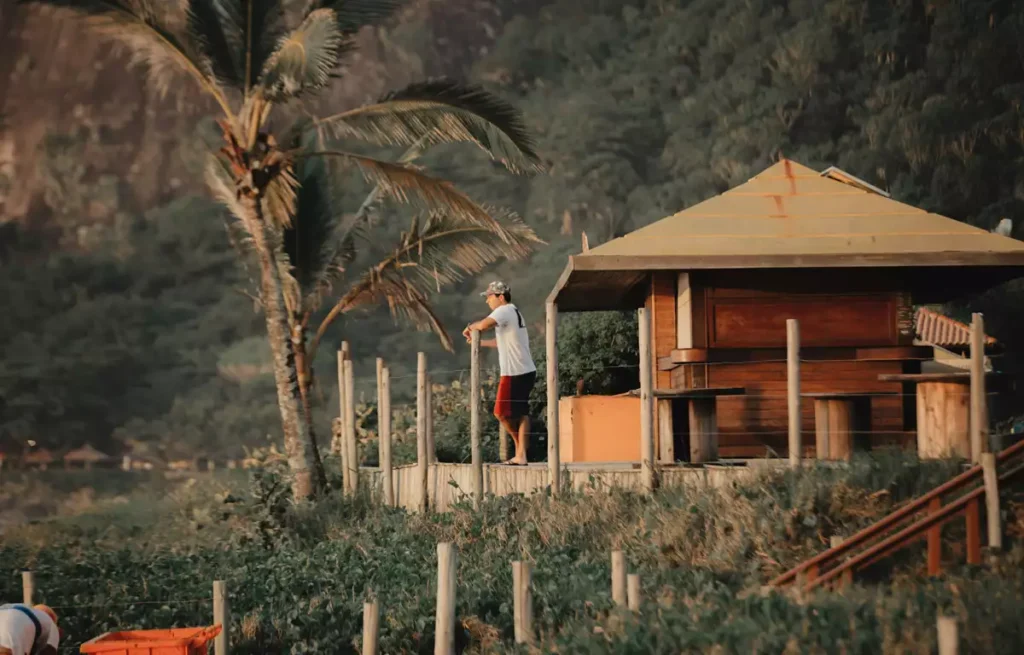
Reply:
x=353, y=15
x=304, y=59
x=264, y=28
x=214, y=26
x=400, y=181
x=222, y=187
x=138, y=26
x=280, y=197
x=443, y=111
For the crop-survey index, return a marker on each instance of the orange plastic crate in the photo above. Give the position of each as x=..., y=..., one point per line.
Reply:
x=177, y=641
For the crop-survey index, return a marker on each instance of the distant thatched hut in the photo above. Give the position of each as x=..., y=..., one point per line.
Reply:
x=39, y=458
x=86, y=457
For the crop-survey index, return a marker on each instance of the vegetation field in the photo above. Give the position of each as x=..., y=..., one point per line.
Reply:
x=298, y=575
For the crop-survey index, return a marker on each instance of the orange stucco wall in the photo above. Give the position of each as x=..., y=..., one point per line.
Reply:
x=599, y=429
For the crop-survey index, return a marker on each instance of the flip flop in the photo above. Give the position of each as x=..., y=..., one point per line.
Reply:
x=509, y=462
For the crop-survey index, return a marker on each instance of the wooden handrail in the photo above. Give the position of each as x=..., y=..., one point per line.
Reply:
x=905, y=536
x=888, y=521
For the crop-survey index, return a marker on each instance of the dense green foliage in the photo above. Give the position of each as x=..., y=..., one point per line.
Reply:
x=643, y=107
x=298, y=576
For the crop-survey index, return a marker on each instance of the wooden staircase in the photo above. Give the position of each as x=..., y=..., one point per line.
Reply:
x=923, y=517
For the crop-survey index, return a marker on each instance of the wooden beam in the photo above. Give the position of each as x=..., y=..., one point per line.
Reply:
x=646, y=401
x=979, y=407
x=386, y=469
x=551, y=345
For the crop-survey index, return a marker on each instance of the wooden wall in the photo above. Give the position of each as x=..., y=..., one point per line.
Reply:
x=661, y=302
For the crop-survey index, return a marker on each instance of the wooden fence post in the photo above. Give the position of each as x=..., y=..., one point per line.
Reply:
x=387, y=476
x=992, y=516
x=619, y=577
x=444, y=621
x=646, y=401
x=949, y=639
x=431, y=445
x=633, y=591
x=979, y=406
x=371, y=627
x=421, y=428
x=338, y=440
x=222, y=616
x=351, y=442
x=522, y=601
x=793, y=389
x=474, y=419
x=551, y=345
x=502, y=443
x=28, y=587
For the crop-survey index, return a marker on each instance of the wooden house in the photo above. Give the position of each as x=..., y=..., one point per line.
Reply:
x=721, y=278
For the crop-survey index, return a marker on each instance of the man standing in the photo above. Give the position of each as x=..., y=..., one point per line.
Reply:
x=518, y=373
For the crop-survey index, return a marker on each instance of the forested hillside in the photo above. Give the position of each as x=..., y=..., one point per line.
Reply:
x=141, y=328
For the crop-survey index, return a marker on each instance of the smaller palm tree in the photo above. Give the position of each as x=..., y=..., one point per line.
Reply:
x=255, y=60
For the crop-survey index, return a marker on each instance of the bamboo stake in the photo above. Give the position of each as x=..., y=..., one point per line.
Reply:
x=337, y=443
x=646, y=401
x=351, y=445
x=431, y=445
x=551, y=343
x=979, y=408
x=421, y=428
x=522, y=601
x=447, y=574
x=384, y=407
x=28, y=587
x=221, y=616
x=793, y=389
x=949, y=639
x=633, y=591
x=371, y=627
x=619, y=577
x=474, y=419
x=992, y=516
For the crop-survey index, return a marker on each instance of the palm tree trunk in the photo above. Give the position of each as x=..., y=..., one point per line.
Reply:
x=297, y=440
x=304, y=369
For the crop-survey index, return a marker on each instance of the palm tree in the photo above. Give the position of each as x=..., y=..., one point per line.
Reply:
x=254, y=62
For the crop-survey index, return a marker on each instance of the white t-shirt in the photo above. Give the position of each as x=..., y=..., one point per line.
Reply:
x=513, y=342
x=17, y=631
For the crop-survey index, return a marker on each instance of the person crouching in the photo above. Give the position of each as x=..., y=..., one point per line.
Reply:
x=28, y=630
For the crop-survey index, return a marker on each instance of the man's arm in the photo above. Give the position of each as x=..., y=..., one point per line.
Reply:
x=489, y=343
x=479, y=326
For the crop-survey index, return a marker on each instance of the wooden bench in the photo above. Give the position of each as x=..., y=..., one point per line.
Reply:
x=703, y=421
x=841, y=420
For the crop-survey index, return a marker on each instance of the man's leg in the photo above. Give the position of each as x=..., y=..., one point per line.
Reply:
x=512, y=432
x=524, y=438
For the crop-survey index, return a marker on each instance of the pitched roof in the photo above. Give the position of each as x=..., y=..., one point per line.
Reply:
x=790, y=215
x=86, y=453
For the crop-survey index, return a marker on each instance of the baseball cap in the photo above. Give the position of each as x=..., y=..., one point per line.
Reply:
x=496, y=288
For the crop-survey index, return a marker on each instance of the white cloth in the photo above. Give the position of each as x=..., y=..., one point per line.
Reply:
x=17, y=631
x=513, y=342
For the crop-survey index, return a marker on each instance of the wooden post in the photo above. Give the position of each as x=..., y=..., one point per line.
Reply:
x=371, y=627
x=444, y=622
x=421, y=428
x=384, y=407
x=431, y=445
x=619, y=575
x=793, y=389
x=633, y=591
x=222, y=616
x=28, y=587
x=551, y=345
x=646, y=402
x=979, y=407
x=666, y=428
x=949, y=639
x=522, y=601
x=992, y=516
x=474, y=419
x=351, y=446
x=502, y=443
x=338, y=442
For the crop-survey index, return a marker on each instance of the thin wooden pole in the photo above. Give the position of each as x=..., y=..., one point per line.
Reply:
x=384, y=407
x=421, y=428
x=522, y=601
x=221, y=616
x=949, y=638
x=444, y=622
x=371, y=627
x=431, y=445
x=351, y=445
x=474, y=419
x=992, y=516
x=633, y=591
x=28, y=587
x=979, y=407
x=502, y=443
x=793, y=389
x=646, y=401
x=338, y=442
x=551, y=344
x=619, y=577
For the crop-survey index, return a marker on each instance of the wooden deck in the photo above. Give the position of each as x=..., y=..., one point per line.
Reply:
x=450, y=483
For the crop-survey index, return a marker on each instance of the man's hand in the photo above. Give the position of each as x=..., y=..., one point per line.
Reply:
x=467, y=333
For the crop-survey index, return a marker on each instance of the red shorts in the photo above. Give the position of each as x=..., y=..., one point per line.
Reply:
x=513, y=400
